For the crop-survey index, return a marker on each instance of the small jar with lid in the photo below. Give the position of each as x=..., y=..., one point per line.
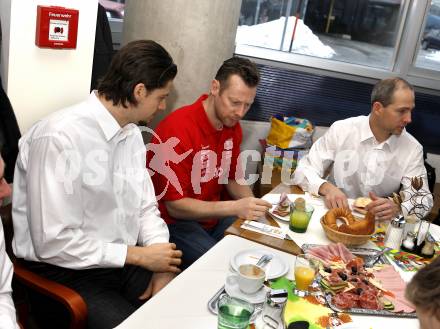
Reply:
x=409, y=243
x=394, y=234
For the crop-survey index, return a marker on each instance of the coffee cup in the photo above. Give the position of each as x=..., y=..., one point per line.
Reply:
x=249, y=278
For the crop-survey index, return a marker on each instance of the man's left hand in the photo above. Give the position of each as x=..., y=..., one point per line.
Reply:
x=382, y=208
x=157, y=282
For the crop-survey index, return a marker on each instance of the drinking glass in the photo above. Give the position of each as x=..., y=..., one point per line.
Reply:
x=300, y=218
x=234, y=313
x=305, y=271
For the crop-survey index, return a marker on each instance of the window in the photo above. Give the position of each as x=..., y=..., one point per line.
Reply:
x=367, y=38
x=428, y=56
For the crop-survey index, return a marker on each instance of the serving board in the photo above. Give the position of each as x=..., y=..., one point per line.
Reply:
x=367, y=254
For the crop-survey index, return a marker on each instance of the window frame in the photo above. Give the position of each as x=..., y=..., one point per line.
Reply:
x=410, y=30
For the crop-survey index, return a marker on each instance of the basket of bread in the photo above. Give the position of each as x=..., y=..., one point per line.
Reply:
x=340, y=225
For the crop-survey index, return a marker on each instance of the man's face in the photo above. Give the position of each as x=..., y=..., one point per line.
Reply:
x=5, y=190
x=232, y=103
x=149, y=102
x=397, y=115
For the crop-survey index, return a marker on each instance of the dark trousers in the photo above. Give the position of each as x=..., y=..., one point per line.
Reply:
x=111, y=294
x=190, y=237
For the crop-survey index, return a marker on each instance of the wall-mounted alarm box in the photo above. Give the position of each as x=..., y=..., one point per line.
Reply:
x=57, y=27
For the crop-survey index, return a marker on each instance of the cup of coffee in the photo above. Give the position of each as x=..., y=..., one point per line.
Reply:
x=250, y=278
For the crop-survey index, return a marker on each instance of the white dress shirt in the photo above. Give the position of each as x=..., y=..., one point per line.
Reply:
x=350, y=157
x=82, y=193
x=7, y=310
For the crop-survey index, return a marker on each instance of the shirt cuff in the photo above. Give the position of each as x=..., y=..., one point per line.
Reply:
x=159, y=239
x=114, y=255
x=316, y=184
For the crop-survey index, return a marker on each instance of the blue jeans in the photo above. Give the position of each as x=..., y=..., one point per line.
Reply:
x=190, y=237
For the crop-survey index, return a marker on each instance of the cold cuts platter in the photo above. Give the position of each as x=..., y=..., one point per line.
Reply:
x=359, y=281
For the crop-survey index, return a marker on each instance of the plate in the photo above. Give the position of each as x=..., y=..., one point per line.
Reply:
x=258, y=297
x=274, y=269
x=284, y=219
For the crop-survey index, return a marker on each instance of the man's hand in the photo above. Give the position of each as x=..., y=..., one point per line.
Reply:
x=251, y=208
x=333, y=197
x=382, y=208
x=159, y=257
x=157, y=282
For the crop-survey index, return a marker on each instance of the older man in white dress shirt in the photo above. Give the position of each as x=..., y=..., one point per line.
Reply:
x=84, y=208
x=368, y=155
x=7, y=309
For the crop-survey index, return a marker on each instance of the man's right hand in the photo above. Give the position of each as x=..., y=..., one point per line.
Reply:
x=251, y=208
x=333, y=197
x=158, y=257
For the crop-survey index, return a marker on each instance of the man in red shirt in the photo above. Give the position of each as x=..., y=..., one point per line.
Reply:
x=193, y=160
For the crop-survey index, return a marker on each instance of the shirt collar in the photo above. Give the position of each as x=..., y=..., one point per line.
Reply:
x=108, y=124
x=367, y=134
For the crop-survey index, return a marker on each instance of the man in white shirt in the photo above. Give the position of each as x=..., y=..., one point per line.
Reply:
x=84, y=208
x=7, y=309
x=368, y=155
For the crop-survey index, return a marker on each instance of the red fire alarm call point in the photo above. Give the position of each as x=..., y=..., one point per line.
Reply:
x=57, y=27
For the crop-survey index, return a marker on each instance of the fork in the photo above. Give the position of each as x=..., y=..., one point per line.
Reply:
x=264, y=260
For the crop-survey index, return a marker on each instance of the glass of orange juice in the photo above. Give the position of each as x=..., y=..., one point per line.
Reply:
x=305, y=271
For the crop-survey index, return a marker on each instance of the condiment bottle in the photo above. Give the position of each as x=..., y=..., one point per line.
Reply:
x=394, y=235
x=409, y=243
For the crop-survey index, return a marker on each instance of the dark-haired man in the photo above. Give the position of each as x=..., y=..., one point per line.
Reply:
x=206, y=138
x=84, y=210
x=368, y=155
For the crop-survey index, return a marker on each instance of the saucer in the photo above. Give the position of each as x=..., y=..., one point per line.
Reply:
x=276, y=268
x=258, y=297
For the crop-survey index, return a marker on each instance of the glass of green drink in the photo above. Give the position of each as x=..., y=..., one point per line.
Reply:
x=300, y=218
x=234, y=313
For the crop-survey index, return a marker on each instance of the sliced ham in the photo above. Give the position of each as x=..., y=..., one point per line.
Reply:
x=391, y=280
x=344, y=253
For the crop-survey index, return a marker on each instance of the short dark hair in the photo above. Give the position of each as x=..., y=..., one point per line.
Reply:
x=142, y=61
x=242, y=67
x=424, y=288
x=383, y=91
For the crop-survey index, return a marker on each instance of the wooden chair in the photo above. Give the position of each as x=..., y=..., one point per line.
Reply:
x=71, y=300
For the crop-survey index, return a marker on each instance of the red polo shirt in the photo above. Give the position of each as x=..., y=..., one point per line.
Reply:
x=204, y=172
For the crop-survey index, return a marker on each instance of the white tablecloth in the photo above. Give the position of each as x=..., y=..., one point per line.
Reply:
x=183, y=303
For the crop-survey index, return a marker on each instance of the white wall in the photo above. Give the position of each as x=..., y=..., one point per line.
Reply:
x=40, y=81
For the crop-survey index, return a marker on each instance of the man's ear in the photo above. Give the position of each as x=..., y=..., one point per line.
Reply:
x=215, y=87
x=377, y=108
x=139, y=91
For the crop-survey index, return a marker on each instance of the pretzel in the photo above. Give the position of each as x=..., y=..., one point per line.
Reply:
x=360, y=227
x=350, y=224
x=330, y=218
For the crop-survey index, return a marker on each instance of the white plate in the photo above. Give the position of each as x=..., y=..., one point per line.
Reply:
x=285, y=218
x=275, y=269
x=255, y=298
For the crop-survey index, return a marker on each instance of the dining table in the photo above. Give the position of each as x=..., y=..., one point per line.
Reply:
x=183, y=303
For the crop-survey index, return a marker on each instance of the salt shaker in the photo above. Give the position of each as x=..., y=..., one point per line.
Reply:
x=394, y=235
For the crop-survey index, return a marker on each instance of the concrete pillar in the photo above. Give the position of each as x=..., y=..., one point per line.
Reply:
x=199, y=34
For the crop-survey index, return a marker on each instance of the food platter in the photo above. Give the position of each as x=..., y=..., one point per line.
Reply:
x=335, y=294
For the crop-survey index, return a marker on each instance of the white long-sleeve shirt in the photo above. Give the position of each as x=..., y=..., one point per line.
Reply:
x=7, y=310
x=81, y=191
x=357, y=164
